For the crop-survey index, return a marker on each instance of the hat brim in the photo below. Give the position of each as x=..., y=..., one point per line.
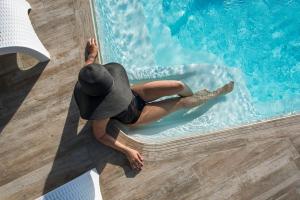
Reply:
x=120, y=96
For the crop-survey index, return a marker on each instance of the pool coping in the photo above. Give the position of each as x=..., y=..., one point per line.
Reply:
x=204, y=137
x=225, y=131
x=206, y=134
x=282, y=127
x=92, y=10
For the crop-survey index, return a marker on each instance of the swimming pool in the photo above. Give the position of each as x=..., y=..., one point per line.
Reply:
x=206, y=43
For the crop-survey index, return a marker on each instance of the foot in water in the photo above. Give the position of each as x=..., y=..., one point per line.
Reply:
x=203, y=96
x=225, y=89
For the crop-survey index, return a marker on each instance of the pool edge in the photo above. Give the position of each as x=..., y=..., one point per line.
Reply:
x=278, y=127
x=95, y=27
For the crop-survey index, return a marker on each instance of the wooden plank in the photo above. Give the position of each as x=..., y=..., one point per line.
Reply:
x=44, y=144
x=39, y=121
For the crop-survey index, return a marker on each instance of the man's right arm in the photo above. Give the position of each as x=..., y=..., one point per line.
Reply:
x=99, y=131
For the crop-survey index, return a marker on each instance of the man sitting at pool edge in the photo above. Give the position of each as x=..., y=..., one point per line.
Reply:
x=103, y=92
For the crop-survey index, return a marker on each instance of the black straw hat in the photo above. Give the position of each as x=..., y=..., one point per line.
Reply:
x=102, y=91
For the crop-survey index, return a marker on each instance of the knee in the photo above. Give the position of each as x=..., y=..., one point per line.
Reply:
x=178, y=85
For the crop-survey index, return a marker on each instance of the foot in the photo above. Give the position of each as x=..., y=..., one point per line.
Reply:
x=225, y=89
x=92, y=51
x=203, y=96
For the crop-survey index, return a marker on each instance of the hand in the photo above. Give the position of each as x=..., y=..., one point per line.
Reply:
x=92, y=49
x=135, y=159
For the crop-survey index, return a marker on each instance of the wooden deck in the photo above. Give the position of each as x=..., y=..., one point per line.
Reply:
x=259, y=161
x=44, y=144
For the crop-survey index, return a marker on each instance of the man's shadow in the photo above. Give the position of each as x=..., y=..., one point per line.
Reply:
x=15, y=85
x=79, y=152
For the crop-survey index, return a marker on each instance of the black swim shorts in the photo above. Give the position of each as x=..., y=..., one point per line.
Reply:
x=133, y=111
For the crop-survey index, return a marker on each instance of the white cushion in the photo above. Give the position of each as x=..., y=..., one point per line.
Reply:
x=16, y=31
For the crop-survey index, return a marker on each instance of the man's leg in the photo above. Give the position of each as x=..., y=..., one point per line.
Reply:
x=153, y=90
x=156, y=110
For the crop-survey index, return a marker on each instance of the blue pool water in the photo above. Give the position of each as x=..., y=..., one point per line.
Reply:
x=206, y=43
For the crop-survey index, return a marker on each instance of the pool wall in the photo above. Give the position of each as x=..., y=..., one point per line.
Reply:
x=276, y=128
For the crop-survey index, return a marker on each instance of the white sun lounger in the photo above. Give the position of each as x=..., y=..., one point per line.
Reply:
x=84, y=187
x=16, y=31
